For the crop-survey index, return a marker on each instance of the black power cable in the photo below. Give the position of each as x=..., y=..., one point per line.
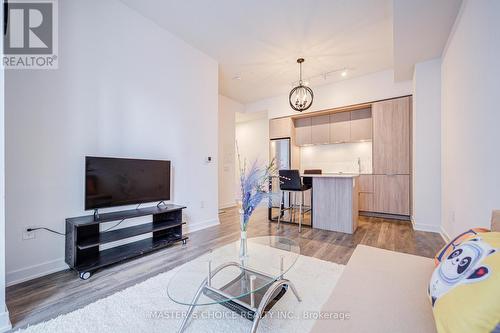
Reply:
x=60, y=233
x=119, y=222
x=43, y=228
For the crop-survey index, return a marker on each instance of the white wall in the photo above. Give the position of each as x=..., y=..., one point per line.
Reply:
x=227, y=132
x=124, y=87
x=470, y=119
x=368, y=88
x=427, y=146
x=4, y=313
x=337, y=157
x=253, y=142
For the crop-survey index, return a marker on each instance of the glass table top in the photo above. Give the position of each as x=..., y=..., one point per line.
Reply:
x=231, y=276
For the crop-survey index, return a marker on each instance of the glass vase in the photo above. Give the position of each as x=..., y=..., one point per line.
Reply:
x=243, y=237
x=243, y=245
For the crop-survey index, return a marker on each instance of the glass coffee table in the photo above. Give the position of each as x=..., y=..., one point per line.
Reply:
x=248, y=285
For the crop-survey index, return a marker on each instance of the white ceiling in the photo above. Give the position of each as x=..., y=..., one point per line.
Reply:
x=260, y=40
x=421, y=29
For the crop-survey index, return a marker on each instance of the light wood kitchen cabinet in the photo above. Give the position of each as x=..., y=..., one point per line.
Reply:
x=361, y=125
x=365, y=183
x=365, y=193
x=320, y=131
x=347, y=126
x=340, y=127
x=280, y=128
x=303, y=131
x=365, y=202
x=391, y=136
x=391, y=194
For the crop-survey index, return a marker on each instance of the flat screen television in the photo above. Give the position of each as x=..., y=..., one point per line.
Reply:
x=111, y=182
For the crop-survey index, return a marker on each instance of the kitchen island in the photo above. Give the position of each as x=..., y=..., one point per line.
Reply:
x=335, y=201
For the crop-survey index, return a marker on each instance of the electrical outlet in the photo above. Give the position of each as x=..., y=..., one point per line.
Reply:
x=27, y=235
x=202, y=204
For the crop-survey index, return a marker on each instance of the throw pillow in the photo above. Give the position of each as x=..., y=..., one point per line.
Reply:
x=465, y=286
x=448, y=248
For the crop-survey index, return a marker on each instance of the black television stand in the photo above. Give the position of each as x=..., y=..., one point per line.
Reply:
x=83, y=237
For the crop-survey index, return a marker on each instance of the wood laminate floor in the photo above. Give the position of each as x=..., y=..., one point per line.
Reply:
x=47, y=297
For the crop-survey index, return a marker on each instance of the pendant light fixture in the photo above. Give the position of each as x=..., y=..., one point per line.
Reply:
x=301, y=97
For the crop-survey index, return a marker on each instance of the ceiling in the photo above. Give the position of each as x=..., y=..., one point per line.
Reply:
x=260, y=40
x=421, y=29
x=257, y=42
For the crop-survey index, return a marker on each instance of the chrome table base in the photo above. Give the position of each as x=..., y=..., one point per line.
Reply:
x=258, y=309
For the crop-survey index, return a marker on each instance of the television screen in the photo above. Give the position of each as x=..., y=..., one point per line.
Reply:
x=113, y=182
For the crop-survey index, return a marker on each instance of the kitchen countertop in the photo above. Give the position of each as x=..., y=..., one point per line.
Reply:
x=332, y=175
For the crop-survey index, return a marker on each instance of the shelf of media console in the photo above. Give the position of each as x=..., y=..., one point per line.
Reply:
x=83, y=237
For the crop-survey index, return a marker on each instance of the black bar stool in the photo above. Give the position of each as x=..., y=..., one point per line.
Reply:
x=290, y=182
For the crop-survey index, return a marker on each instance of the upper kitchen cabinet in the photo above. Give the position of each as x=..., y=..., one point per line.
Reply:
x=340, y=127
x=320, y=129
x=391, y=136
x=280, y=128
x=361, y=125
x=303, y=131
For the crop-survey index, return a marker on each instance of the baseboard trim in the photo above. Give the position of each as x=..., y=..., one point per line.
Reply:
x=227, y=205
x=385, y=216
x=426, y=227
x=35, y=271
x=431, y=228
x=192, y=227
x=446, y=237
x=5, y=324
x=52, y=266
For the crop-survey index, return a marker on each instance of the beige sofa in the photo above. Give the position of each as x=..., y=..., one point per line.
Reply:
x=383, y=292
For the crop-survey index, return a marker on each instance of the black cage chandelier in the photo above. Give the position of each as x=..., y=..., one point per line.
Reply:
x=301, y=97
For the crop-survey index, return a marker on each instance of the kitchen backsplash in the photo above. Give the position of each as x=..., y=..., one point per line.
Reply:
x=337, y=158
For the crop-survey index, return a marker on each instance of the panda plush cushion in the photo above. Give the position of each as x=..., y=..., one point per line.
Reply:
x=465, y=287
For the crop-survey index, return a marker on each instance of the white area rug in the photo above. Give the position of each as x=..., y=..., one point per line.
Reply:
x=146, y=307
